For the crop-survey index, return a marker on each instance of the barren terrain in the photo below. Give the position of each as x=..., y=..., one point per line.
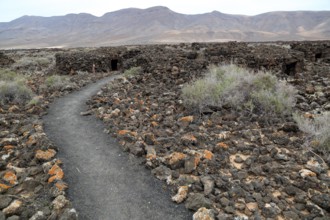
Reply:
x=219, y=163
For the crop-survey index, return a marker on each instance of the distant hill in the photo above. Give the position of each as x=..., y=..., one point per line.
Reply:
x=161, y=25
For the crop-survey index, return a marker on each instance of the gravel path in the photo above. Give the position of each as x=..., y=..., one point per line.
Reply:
x=104, y=182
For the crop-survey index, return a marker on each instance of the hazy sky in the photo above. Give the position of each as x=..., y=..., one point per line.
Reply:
x=12, y=9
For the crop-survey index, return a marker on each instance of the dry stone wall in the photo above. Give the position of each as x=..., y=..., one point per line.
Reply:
x=314, y=51
x=282, y=58
x=95, y=61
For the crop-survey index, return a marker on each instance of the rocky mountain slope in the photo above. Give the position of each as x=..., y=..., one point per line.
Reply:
x=161, y=25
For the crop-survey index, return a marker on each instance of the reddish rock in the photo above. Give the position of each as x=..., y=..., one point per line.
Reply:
x=45, y=155
x=188, y=139
x=9, y=147
x=222, y=145
x=187, y=119
x=10, y=177
x=208, y=155
x=181, y=195
x=123, y=132
x=127, y=132
x=61, y=186
x=56, y=173
x=175, y=159
x=4, y=187
x=204, y=214
x=31, y=141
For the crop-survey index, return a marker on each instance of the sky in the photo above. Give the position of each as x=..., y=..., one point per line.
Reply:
x=12, y=9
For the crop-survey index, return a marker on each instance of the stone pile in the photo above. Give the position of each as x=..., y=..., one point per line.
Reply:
x=222, y=165
x=270, y=56
x=100, y=60
x=318, y=51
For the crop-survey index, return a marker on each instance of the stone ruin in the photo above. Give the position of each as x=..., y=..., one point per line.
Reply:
x=257, y=56
x=317, y=51
x=285, y=58
x=101, y=60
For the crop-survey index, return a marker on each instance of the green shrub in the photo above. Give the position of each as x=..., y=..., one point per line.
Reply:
x=57, y=82
x=14, y=92
x=13, y=88
x=32, y=63
x=132, y=71
x=42, y=61
x=240, y=89
x=317, y=129
x=7, y=75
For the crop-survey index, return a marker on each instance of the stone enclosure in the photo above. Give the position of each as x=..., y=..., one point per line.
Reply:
x=285, y=58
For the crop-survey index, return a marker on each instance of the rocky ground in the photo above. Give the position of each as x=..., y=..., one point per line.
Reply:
x=222, y=164
x=31, y=178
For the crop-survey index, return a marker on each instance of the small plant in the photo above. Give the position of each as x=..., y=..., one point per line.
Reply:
x=13, y=88
x=14, y=92
x=27, y=64
x=42, y=61
x=132, y=71
x=57, y=82
x=317, y=129
x=236, y=87
x=7, y=75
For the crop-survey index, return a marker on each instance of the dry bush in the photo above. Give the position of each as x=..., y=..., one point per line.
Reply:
x=30, y=64
x=57, y=82
x=132, y=71
x=317, y=129
x=236, y=87
x=13, y=88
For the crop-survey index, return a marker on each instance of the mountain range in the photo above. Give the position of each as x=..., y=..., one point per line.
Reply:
x=161, y=25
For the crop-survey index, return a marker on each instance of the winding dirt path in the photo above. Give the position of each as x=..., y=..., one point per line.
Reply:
x=104, y=183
